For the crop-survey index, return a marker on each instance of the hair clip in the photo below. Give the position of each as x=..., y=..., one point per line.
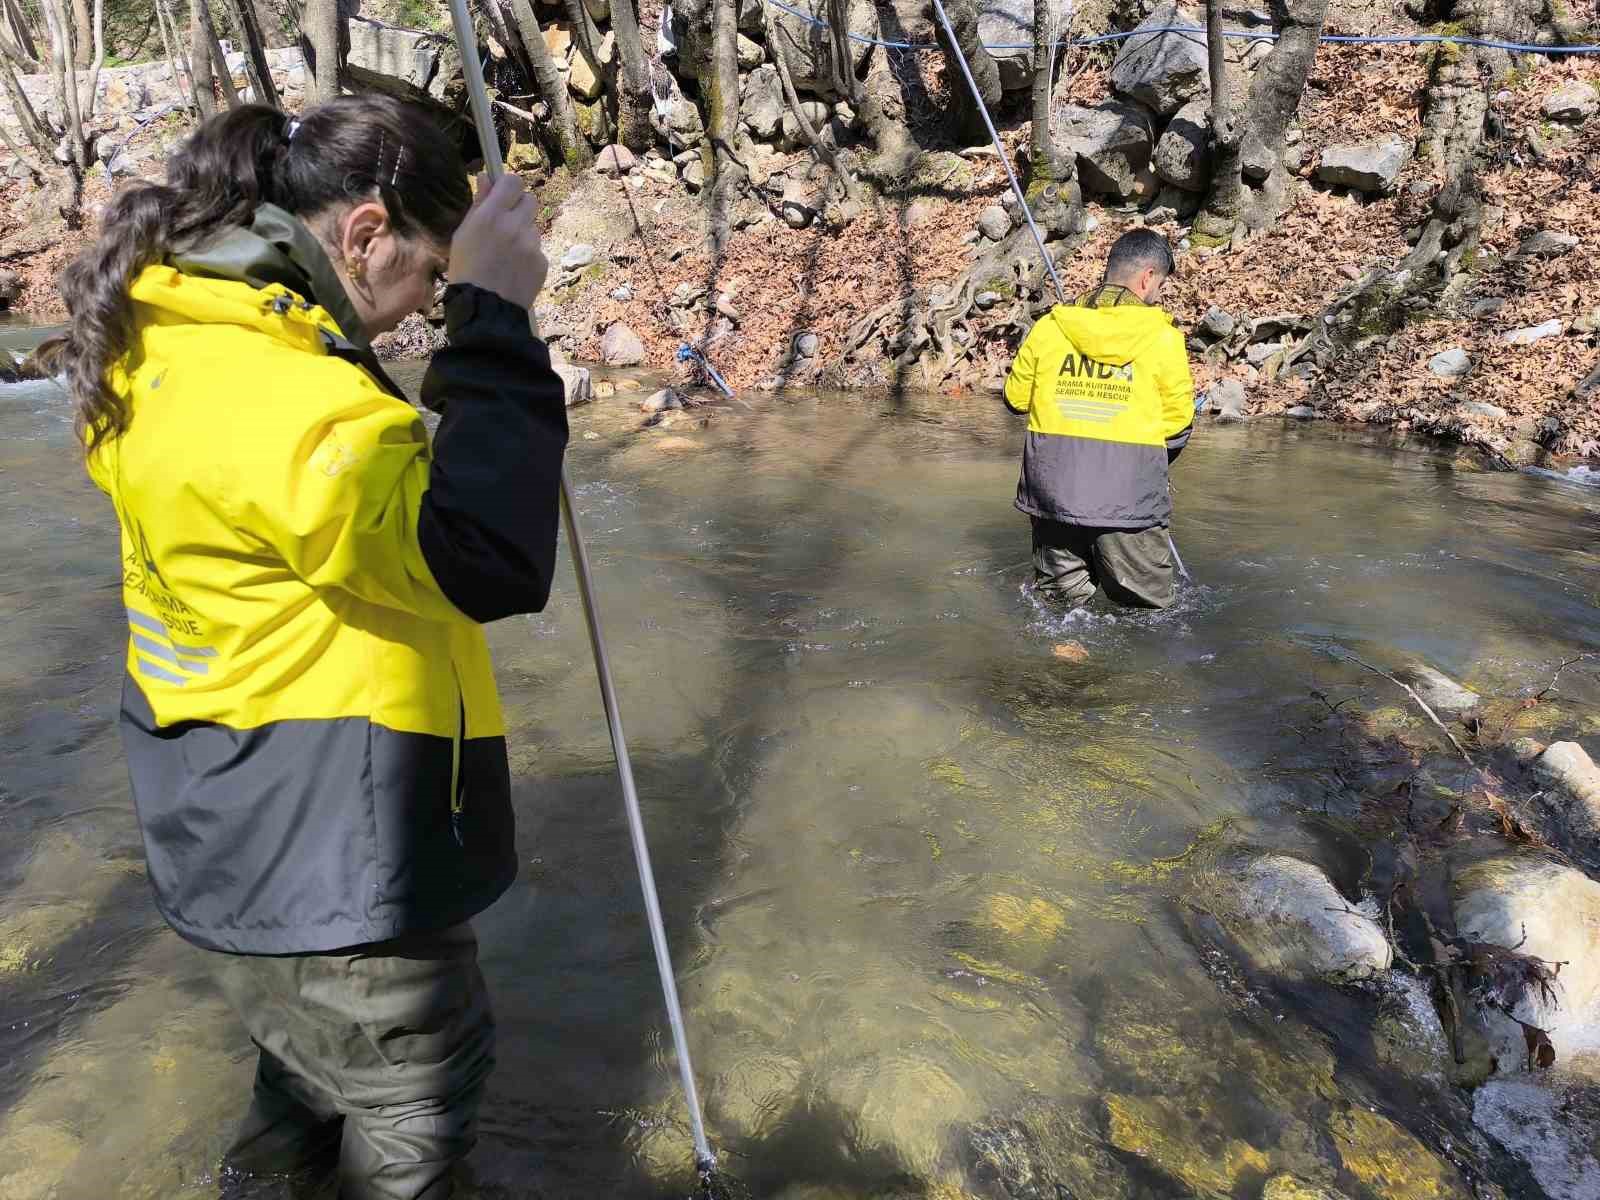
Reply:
x=292, y=128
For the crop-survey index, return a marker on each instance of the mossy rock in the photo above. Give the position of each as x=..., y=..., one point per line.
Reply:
x=1391, y=1162
x=1169, y=1137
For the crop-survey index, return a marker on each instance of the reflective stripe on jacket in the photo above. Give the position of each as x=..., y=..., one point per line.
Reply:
x=1110, y=401
x=313, y=732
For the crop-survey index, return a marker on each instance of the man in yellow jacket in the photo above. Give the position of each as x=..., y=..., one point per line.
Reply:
x=1110, y=402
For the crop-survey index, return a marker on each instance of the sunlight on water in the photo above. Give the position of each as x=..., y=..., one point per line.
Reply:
x=922, y=840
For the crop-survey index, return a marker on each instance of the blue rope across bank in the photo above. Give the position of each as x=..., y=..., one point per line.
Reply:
x=1347, y=39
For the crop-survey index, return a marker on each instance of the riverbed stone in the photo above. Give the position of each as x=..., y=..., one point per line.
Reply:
x=1570, y=784
x=1573, y=104
x=1372, y=167
x=1112, y=142
x=1547, y=243
x=1226, y=400
x=577, y=382
x=1550, y=911
x=1183, y=155
x=1287, y=918
x=1164, y=71
x=1532, y=335
x=1183, y=1141
x=809, y=54
x=994, y=222
x=761, y=105
x=1007, y=26
x=620, y=346
x=1450, y=364
x=1552, y=1124
x=1291, y=1187
x=577, y=256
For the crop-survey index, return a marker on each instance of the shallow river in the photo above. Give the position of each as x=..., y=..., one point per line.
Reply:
x=922, y=875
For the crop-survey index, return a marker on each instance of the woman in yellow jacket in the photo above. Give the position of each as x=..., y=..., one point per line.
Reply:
x=315, y=743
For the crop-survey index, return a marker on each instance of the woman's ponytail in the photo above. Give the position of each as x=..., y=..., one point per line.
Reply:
x=342, y=152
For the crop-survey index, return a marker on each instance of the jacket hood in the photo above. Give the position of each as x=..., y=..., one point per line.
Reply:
x=1115, y=333
x=238, y=277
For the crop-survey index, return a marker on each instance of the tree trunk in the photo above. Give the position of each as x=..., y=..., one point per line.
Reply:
x=219, y=60
x=1234, y=201
x=200, y=76
x=170, y=39
x=255, y=52
x=719, y=87
x=634, y=96
x=33, y=126
x=64, y=78
x=1053, y=195
x=320, y=42
x=21, y=30
x=82, y=33
x=91, y=86
x=552, y=88
x=963, y=16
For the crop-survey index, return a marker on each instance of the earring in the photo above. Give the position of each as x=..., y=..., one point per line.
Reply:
x=355, y=268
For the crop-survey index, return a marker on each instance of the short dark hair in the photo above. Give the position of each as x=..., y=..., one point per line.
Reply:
x=1138, y=250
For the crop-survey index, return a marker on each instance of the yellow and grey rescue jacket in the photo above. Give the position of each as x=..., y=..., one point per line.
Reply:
x=312, y=728
x=1110, y=402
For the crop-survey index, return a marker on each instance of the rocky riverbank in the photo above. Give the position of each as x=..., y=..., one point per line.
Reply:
x=921, y=273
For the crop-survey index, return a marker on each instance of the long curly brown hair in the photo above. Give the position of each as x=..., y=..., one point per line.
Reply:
x=348, y=150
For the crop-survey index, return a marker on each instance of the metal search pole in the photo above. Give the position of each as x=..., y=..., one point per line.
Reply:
x=1016, y=188
x=472, y=70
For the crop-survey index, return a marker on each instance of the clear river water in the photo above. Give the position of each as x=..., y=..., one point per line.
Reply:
x=921, y=842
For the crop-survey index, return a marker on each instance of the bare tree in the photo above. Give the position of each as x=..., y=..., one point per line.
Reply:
x=21, y=31
x=201, y=78
x=719, y=87
x=633, y=91
x=963, y=16
x=219, y=60
x=1053, y=194
x=321, y=40
x=82, y=32
x=1250, y=181
x=552, y=88
x=260, y=68
x=177, y=61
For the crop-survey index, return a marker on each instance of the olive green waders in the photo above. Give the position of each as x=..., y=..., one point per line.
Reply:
x=1134, y=566
x=374, y=1059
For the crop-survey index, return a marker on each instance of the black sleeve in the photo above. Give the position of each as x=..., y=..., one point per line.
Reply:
x=488, y=521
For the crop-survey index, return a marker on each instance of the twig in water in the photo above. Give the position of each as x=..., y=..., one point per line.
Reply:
x=1556, y=678
x=1421, y=703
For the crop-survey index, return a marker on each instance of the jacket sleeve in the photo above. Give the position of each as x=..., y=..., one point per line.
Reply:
x=1177, y=396
x=488, y=521
x=468, y=528
x=1024, y=370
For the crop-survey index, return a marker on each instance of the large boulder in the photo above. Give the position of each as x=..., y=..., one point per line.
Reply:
x=808, y=47
x=1164, y=71
x=413, y=57
x=1183, y=155
x=1372, y=167
x=1549, y=911
x=621, y=347
x=761, y=105
x=1287, y=918
x=1575, y=103
x=1112, y=141
x=1006, y=27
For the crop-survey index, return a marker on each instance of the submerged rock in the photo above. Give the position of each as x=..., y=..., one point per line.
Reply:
x=1390, y=1161
x=1548, y=911
x=1184, y=1141
x=1372, y=167
x=1552, y=1125
x=1438, y=691
x=1289, y=1187
x=1287, y=917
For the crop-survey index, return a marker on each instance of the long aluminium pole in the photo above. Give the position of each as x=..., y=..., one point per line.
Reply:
x=472, y=71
